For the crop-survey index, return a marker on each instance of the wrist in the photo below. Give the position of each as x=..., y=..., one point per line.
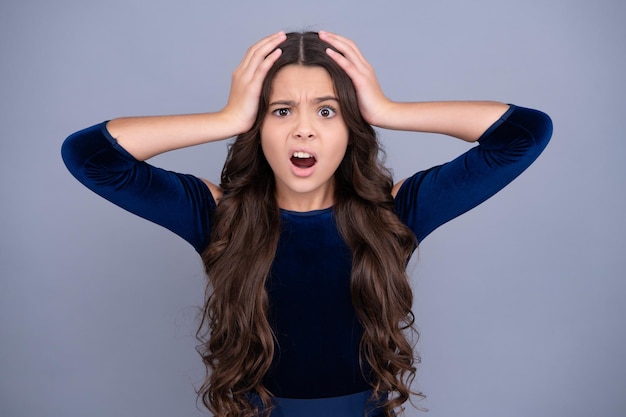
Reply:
x=384, y=114
x=232, y=122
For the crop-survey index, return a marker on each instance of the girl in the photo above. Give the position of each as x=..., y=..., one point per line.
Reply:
x=306, y=239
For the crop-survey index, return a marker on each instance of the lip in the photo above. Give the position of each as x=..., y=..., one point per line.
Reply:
x=302, y=172
x=309, y=151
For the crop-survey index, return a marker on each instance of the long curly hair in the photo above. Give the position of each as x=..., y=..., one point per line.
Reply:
x=237, y=343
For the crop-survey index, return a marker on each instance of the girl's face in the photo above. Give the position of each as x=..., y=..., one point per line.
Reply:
x=304, y=137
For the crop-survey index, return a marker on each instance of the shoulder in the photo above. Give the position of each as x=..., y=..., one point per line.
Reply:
x=216, y=190
x=396, y=188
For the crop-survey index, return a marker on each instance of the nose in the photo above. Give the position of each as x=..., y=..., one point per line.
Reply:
x=304, y=128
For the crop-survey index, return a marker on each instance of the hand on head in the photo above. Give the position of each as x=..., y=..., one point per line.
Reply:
x=248, y=77
x=372, y=101
x=247, y=80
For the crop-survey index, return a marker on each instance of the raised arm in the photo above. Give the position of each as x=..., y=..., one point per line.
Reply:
x=510, y=137
x=145, y=137
x=110, y=158
x=466, y=120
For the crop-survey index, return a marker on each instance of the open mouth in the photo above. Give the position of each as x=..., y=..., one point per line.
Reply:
x=303, y=160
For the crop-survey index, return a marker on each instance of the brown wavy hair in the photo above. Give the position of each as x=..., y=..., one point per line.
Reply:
x=237, y=340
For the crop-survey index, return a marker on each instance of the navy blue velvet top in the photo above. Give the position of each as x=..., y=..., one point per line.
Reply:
x=311, y=312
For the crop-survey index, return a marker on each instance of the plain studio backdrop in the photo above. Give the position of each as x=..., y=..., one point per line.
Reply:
x=520, y=302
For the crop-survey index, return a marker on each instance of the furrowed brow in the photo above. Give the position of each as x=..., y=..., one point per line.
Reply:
x=288, y=103
x=325, y=98
x=291, y=103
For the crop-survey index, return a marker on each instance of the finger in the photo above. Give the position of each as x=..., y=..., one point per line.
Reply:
x=259, y=51
x=347, y=65
x=345, y=46
x=259, y=44
x=341, y=60
x=350, y=59
x=264, y=67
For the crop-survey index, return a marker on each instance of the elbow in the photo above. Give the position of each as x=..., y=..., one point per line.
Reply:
x=81, y=147
x=534, y=129
x=541, y=129
x=70, y=154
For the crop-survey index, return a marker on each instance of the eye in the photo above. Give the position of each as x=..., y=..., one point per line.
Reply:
x=327, y=112
x=282, y=112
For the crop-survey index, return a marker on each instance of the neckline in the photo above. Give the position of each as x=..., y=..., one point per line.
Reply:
x=306, y=213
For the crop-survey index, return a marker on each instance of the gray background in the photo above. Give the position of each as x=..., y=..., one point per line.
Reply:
x=520, y=302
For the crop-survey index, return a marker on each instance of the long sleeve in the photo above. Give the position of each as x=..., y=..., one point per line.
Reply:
x=433, y=197
x=179, y=202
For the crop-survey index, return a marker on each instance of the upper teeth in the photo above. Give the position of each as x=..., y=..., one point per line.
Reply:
x=302, y=155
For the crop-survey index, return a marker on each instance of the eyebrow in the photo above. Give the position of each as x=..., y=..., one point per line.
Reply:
x=292, y=103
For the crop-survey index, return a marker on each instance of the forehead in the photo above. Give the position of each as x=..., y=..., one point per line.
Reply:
x=299, y=79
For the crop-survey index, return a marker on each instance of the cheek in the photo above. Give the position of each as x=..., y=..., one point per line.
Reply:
x=265, y=138
x=269, y=149
x=337, y=153
x=342, y=142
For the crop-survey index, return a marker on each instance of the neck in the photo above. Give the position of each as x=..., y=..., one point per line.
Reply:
x=303, y=202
